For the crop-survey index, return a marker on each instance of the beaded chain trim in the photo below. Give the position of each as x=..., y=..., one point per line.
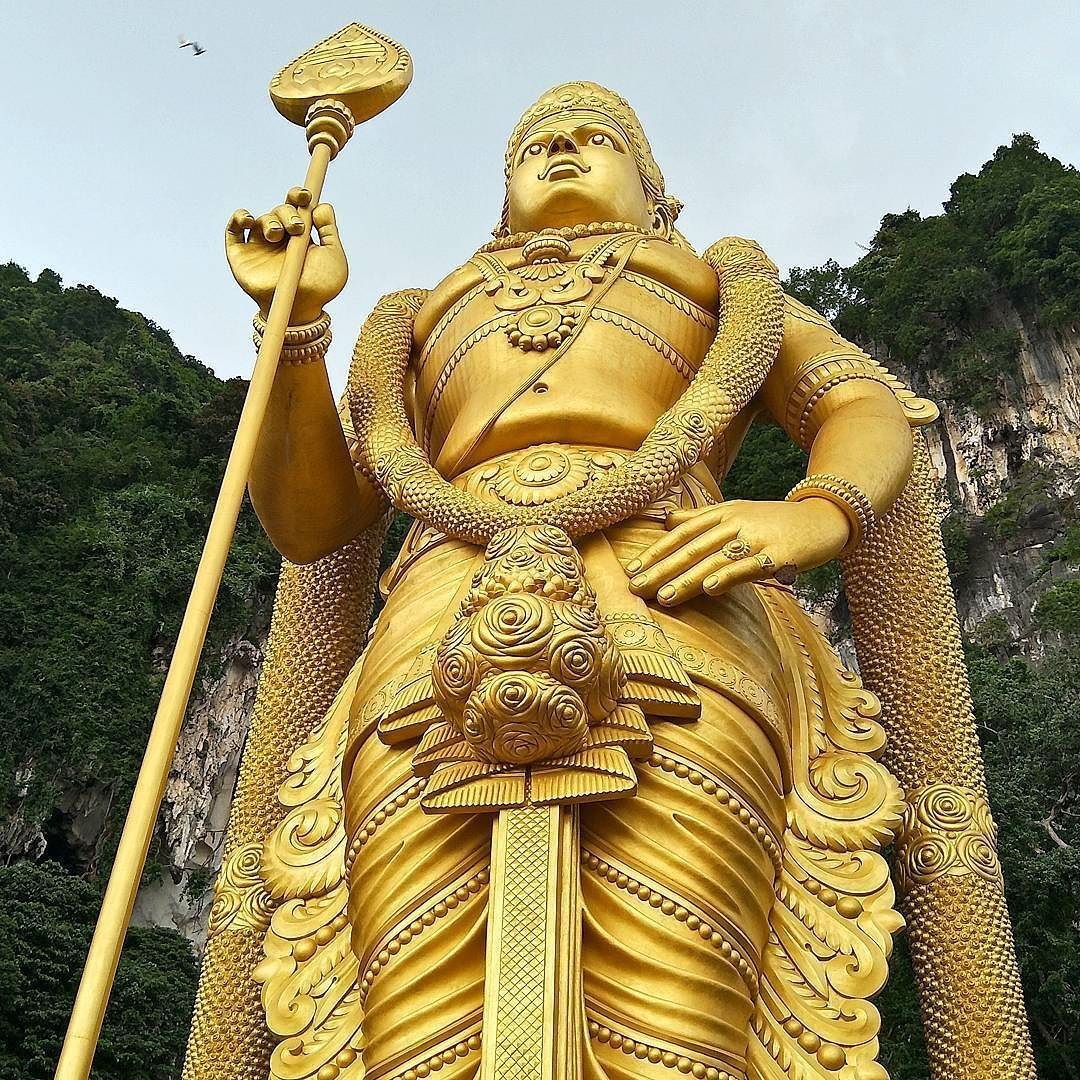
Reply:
x=568, y=232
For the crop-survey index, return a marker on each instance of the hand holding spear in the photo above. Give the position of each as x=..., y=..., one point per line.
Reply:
x=343, y=81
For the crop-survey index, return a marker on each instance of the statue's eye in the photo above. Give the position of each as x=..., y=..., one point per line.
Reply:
x=600, y=139
x=533, y=149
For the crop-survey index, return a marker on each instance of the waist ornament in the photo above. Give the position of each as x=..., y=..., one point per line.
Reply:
x=540, y=474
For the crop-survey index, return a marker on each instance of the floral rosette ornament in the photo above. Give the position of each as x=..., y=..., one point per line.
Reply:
x=528, y=699
x=948, y=831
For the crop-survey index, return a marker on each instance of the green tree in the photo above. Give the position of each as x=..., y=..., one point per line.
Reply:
x=111, y=447
x=825, y=288
x=1031, y=746
x=934, y=292
x=46, y=916
x=1038, y=258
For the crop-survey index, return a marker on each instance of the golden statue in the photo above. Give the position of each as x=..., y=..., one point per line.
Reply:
x=594, y=798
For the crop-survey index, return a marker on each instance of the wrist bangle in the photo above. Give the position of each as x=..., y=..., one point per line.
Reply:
x=306, y=354
x=297, y=335
x=857, y=508
x=302, y=344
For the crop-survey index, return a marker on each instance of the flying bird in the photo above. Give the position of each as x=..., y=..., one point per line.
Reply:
x=197, y=49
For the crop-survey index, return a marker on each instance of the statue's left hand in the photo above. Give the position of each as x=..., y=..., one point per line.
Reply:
x=712, y=550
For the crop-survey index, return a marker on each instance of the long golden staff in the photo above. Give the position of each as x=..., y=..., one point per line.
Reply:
x=341, y=82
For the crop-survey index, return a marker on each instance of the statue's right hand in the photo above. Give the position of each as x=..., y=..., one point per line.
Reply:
x=256, y=251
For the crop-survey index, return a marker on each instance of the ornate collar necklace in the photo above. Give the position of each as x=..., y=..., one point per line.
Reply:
x=567, y=232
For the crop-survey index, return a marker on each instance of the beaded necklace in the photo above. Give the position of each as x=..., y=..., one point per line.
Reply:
x=567, y=232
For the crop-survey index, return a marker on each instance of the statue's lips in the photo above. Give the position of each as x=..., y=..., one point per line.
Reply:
x=564, y=169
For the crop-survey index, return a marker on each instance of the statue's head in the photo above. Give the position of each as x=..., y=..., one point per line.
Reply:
x=578, y=155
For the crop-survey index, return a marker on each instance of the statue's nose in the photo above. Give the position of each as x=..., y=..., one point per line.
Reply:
x=562, y=143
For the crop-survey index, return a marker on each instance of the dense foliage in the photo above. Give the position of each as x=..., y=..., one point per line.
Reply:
x=938, y=293
x=46, y=916
x=111, y=446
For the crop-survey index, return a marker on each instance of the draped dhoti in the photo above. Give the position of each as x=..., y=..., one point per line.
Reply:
x=677, y=881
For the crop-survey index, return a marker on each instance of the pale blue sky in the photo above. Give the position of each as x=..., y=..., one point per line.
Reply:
x=798, y=124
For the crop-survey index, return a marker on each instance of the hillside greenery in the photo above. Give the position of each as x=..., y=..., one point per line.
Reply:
x=111, y=447
x=112, y=444
x=46, y=917
x=938, y=293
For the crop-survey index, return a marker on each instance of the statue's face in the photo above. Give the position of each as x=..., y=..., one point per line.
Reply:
x=574, y=169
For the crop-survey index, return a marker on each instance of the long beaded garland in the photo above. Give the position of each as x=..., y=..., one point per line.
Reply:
x=741, y=354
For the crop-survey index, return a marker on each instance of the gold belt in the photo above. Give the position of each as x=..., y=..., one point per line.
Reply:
x=540, y=474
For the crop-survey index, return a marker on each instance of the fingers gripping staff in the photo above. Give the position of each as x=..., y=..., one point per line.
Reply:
x=254, y=247
x=342, y=81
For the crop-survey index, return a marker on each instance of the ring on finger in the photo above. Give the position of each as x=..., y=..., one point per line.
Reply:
x=765, y=562
x=735, y=549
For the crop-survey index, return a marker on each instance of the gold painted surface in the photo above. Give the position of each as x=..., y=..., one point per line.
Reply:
x=358, y=66
x=315, y=637
x=672, y=920
x=947, y=832
x=728, y=375
x=961, y=938
x=533, y=974
x=580, y=387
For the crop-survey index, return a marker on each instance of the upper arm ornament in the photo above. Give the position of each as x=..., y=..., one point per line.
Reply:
x=832, y=361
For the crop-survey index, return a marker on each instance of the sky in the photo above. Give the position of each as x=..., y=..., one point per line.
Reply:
x=796, y=123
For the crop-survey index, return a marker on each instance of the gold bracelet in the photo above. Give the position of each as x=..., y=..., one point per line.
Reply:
x=306, y=354
x=857, y=508
x=297, y=335
x=303, y=344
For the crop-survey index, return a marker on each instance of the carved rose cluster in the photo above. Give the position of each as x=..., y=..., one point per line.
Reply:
x=527, y=665
x=948, y=831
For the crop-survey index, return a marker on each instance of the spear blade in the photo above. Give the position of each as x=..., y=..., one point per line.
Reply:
x=358, y=66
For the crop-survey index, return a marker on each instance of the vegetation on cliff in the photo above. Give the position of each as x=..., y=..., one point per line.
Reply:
x=937, y=293
x=46, y=917
x=111, y=447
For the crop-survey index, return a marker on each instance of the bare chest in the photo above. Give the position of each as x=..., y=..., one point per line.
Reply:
x=587, y=346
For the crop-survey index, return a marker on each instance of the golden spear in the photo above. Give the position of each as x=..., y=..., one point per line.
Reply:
x=341, y=82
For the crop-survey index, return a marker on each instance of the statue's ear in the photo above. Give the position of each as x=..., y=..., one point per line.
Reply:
x=503, y=228
x=666, y=209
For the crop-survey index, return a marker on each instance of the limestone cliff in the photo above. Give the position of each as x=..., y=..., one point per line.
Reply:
x=195, y=810
x=1026, y=452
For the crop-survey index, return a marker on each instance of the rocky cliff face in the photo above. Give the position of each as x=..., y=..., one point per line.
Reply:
x=1012, y=476
x=1041, y=422
x=195, y=810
